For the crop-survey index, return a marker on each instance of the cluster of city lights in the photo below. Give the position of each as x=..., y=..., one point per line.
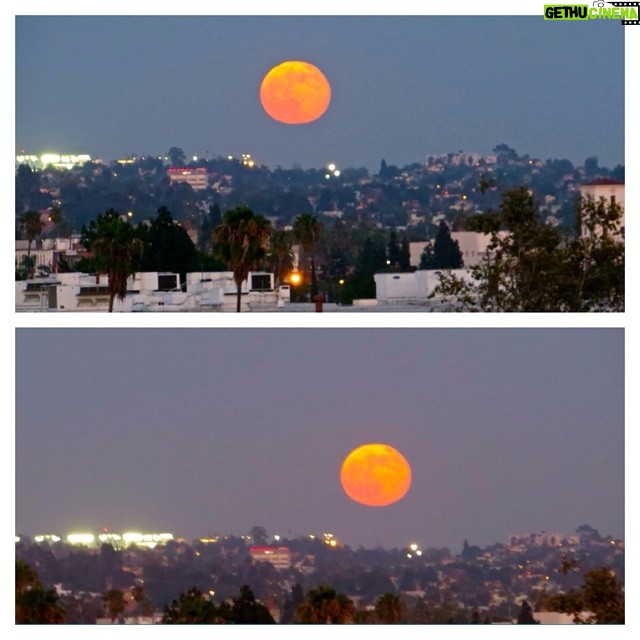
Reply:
x=332, y=171
x=130, y=537
x=65, y=161
x=330, y=540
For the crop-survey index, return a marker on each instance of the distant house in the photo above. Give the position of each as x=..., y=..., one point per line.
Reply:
x=197, y=179
x=279, y=557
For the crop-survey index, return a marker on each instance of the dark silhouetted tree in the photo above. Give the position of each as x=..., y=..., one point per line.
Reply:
x=600, y=599
x=280, y=255
x=246, y=610
x=525, y=616
x=114, y=603
x=176, y=157
x=35, y=604
x=307, y=230
x=324, y=605
x=444, y=253
x=193, y=607
x=167, y=246
x=241, y=241
x=31, y=223
x=116, y=250
x=389, y=608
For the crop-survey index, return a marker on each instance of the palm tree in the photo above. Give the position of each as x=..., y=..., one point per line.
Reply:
x=114, y=603
x=143, y=606
x=280, y=255
x=389, y=608
x=116, y=250
x=32, y=224
x=325, y=606
x=241, y=241
x=307, y=230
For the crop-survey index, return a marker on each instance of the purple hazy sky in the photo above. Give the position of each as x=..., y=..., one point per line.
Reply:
x=198, y=431
x=403, y=87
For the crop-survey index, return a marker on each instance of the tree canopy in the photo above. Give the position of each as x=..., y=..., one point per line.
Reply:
x=324, y=605
x=532, y=266
x=241, y=241
x=600, y=599
x=116, y=250
x=167, y=246
x=443, y=253
x=192, y=607
x=35, y=604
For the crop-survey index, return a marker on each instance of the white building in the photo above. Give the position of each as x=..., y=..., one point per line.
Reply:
x=48, y=252
x=197, y=179
x=411, y=288
x=473, y=246
x=151, y=291
x=279, y=557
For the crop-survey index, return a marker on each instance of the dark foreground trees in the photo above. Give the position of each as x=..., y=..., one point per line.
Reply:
x=241, y=241
x=114, y=604
x=193, y=607
x=443, y=253
x=31, y=223
x=532, y=266
x=307, y=229
x=116, y=250
x=389, y=608
x=167, y=246
x=325, y=606
x=35, y=604
x=600, y=599
x=525, y=616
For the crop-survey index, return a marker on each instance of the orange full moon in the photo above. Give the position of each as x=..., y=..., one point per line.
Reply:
x=295, y=92
x=375, y=475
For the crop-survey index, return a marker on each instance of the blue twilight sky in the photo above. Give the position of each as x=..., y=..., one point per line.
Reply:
x=403, y=87
x=198, y=431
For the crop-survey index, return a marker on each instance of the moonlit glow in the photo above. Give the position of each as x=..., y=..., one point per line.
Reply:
x=295, y=92
x=375, y=475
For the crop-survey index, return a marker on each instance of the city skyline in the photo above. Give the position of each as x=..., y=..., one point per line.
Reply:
x=507, y=431
x=403, y=87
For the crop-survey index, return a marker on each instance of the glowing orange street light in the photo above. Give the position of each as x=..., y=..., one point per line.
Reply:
x=295, y=278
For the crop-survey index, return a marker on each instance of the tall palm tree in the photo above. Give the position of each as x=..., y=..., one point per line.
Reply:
x=241, y=241
x=115, y=603
x=116, y=250
x=307, y=230
x=280, y=255
x=389, y=608
x=325, y=606
x=32, y=224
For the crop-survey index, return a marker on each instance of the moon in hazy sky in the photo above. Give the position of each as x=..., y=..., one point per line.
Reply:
x=295, y=92
x=375, y=475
